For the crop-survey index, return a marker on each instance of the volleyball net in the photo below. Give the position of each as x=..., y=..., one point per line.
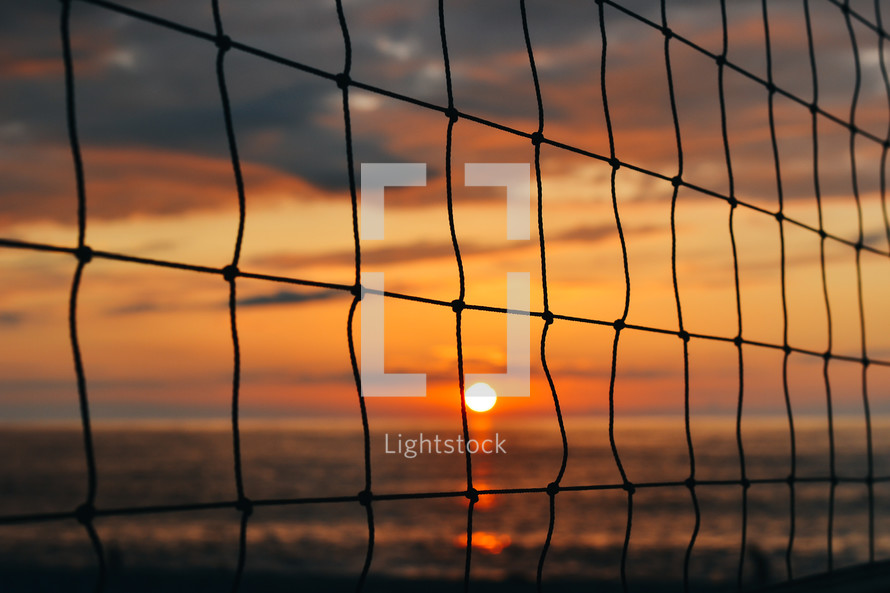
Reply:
x=811, y=104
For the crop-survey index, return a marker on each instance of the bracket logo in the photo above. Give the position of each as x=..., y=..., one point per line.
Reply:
x=377, y=176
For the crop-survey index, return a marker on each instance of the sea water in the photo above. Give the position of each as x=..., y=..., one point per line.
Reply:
x=148, y=473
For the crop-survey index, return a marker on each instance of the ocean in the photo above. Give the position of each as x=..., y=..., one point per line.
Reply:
x=322, y=545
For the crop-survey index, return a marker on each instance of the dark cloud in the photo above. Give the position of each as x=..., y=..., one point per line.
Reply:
x=421, y=251
x=148, y=90
x=11, y=318
x=380, y=255
x=641, y=373
x=296, y=377
x=137, y=308
x=126, y=182
x=281, y=297
x=588, y=233
x=287, y=297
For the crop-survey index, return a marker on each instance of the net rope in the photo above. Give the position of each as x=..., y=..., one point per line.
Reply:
x=87, y=512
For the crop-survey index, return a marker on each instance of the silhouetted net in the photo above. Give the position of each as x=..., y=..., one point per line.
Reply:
x=452, y=112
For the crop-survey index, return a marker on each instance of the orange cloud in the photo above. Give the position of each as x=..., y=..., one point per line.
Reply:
x=127, y=182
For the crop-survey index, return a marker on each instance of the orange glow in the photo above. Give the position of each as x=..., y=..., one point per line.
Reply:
x=485, y=541
x=486, y=502
x=162, y=336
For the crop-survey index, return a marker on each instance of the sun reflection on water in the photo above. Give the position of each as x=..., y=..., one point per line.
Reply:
x=485, y=541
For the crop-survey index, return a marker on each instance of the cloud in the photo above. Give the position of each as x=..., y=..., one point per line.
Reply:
x=148, y=99
x=125, y=182
x=143, y=88
x=589, y=233
x=11, y=318
x=281, y=297
x=139, y=307
x=641, y=373
x=287, y=297
x=396, y=253
x=423, y=251
x=296, y=377
x=150, y=120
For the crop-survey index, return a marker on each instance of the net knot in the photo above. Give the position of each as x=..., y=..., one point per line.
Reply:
x=746, y=483
x=537, y=138
x=779, y=216
x=616, y=164
x=618, y=324
x=357, y=291
x=629, y=487
x=365, y=497
x=230, y=272
x=84, y=254
x=85, y=513
x=667, y=32
x=858, y=246
x=865, y=361
x=771, y=88
x=676, y=181
x=690, y=482
x=452, y=114
x=787, y=349
x=887, y=143
x=823, y=234
x=814, y=109
x=553, y=488
x=342, y=80
x=472, y=495
x=835, y=480
x=244, y=505
x=721, y=60
x=683, y=335
x=733, y=202
x=737, y=341
x=457, y=305
x=548, y=317
x=223, y=43
x=827, y=355
x=790, y=479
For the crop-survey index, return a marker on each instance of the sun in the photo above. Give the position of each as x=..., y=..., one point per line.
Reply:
x=480, y=397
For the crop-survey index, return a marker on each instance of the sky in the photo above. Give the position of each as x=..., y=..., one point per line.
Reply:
x=159, y=185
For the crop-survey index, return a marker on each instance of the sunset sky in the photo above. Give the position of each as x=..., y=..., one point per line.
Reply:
x=159, y=185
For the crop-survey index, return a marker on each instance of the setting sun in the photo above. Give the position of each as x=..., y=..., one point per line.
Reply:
x=480, y=397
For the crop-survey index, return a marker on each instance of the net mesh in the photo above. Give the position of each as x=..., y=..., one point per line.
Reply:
x=819, y=116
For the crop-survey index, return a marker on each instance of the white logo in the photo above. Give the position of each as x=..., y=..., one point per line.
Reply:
x=374, y=178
